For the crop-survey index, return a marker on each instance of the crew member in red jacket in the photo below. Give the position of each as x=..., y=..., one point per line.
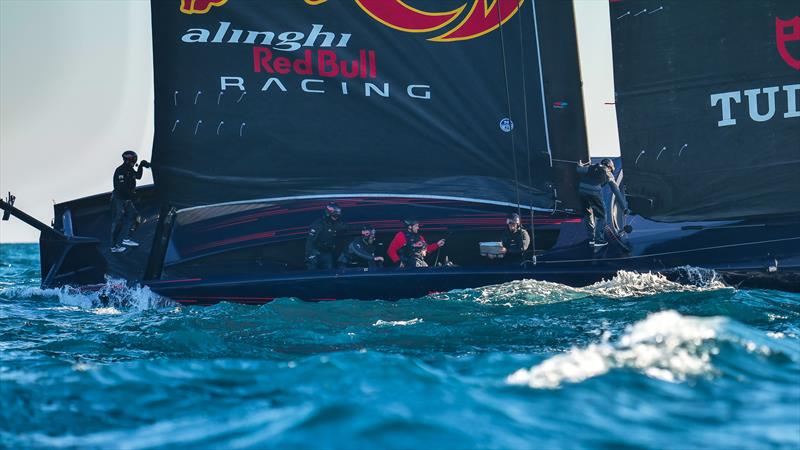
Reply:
x=409, y=247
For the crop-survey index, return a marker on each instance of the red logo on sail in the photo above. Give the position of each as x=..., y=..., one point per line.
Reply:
x=483, y=16
x=787, y=31
x=199, y=6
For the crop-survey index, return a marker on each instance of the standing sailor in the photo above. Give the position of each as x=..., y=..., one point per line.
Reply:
x=321, y=241
x=361, y=251
x=409, y=248
x=123, y=209
x=516, y=239
x=594, y=177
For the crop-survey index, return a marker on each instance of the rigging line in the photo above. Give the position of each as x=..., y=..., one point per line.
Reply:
x=676, y=252
x=527, y=128
x=508, y=100
x=541, y=80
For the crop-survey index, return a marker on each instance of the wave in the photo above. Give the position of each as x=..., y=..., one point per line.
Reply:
x=111, y=298
x=636, y=284
x=624, y=284
x=666, y=346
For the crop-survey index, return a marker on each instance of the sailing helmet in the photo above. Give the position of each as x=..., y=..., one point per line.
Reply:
x=513, y=218
x=410, y=222
x=367, y=232
x=130, y=155
x=333, y=210
x=608, y=163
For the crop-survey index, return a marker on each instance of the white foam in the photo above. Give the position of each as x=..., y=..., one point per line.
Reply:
x=29, y=292
x=109, y=299
x=397, y=323
x=527, y=292
x=665, y=345
x=635, y=284
x=624, y=284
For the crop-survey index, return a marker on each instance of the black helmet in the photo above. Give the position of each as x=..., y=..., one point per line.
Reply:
x=410, y=222
x=130, y=155
x=367, y=232
x=513, y=218
x=333, y=210
x=608, y=163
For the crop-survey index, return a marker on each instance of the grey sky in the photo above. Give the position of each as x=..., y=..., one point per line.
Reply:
x=76, y=90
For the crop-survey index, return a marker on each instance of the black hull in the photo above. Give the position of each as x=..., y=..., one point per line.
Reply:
x=252, y=252
x=406, y=284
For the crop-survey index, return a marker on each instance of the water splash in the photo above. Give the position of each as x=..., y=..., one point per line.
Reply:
x=635, y=284
x=666, y=345
x=112, y=297
x=623, y=285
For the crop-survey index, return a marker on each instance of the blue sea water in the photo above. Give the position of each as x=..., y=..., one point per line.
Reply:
x=634, y=362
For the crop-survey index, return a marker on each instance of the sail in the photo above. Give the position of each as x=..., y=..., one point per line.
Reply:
x=281, y=98
x=707, y=105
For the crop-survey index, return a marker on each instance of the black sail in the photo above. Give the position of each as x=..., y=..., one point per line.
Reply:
x=276, y=98
x=707, y=104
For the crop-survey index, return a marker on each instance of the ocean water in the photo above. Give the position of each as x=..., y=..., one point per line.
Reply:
x=634, y=362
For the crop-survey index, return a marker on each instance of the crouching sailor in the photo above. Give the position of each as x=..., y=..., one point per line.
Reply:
x=594, y=177
x=409, y=248
x=361, y=251
x=321, y=241
x=123, y=209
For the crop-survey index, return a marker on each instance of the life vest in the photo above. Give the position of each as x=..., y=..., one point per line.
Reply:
x=414, y=248
x=597, y=175
x=593, y=180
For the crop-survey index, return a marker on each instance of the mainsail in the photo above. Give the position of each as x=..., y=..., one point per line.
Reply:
x=276, y=98
x=707, y=103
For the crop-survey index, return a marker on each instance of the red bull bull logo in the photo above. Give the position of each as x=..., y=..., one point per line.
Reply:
x=199, y=6
x=482, y=17
x=477, y=17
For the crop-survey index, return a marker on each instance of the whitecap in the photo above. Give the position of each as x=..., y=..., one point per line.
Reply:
x=106, y=311
x=527, y=292
x=624, y=284
x=109, y=298
x=666, y=345
x=635, y=284
x=29, y=292
x=397, y=323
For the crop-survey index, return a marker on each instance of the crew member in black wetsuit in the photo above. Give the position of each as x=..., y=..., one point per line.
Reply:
x=321, y=241
x=409, y=248
x=123, y=209
x=361, y=251
x=516, y=239
x=593, y=178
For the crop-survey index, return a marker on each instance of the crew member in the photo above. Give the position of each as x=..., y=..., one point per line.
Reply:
x=321, y=241
x=516, y=239
x=409, y=248
x=593, y=178
x=123, y=209
x=361, y=251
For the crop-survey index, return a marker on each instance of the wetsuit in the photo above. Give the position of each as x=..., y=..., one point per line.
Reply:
x=410, y=249
x=593, y=179
x=123, y=210
x=321, y=242
x=359, y=253
x=516, y=243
